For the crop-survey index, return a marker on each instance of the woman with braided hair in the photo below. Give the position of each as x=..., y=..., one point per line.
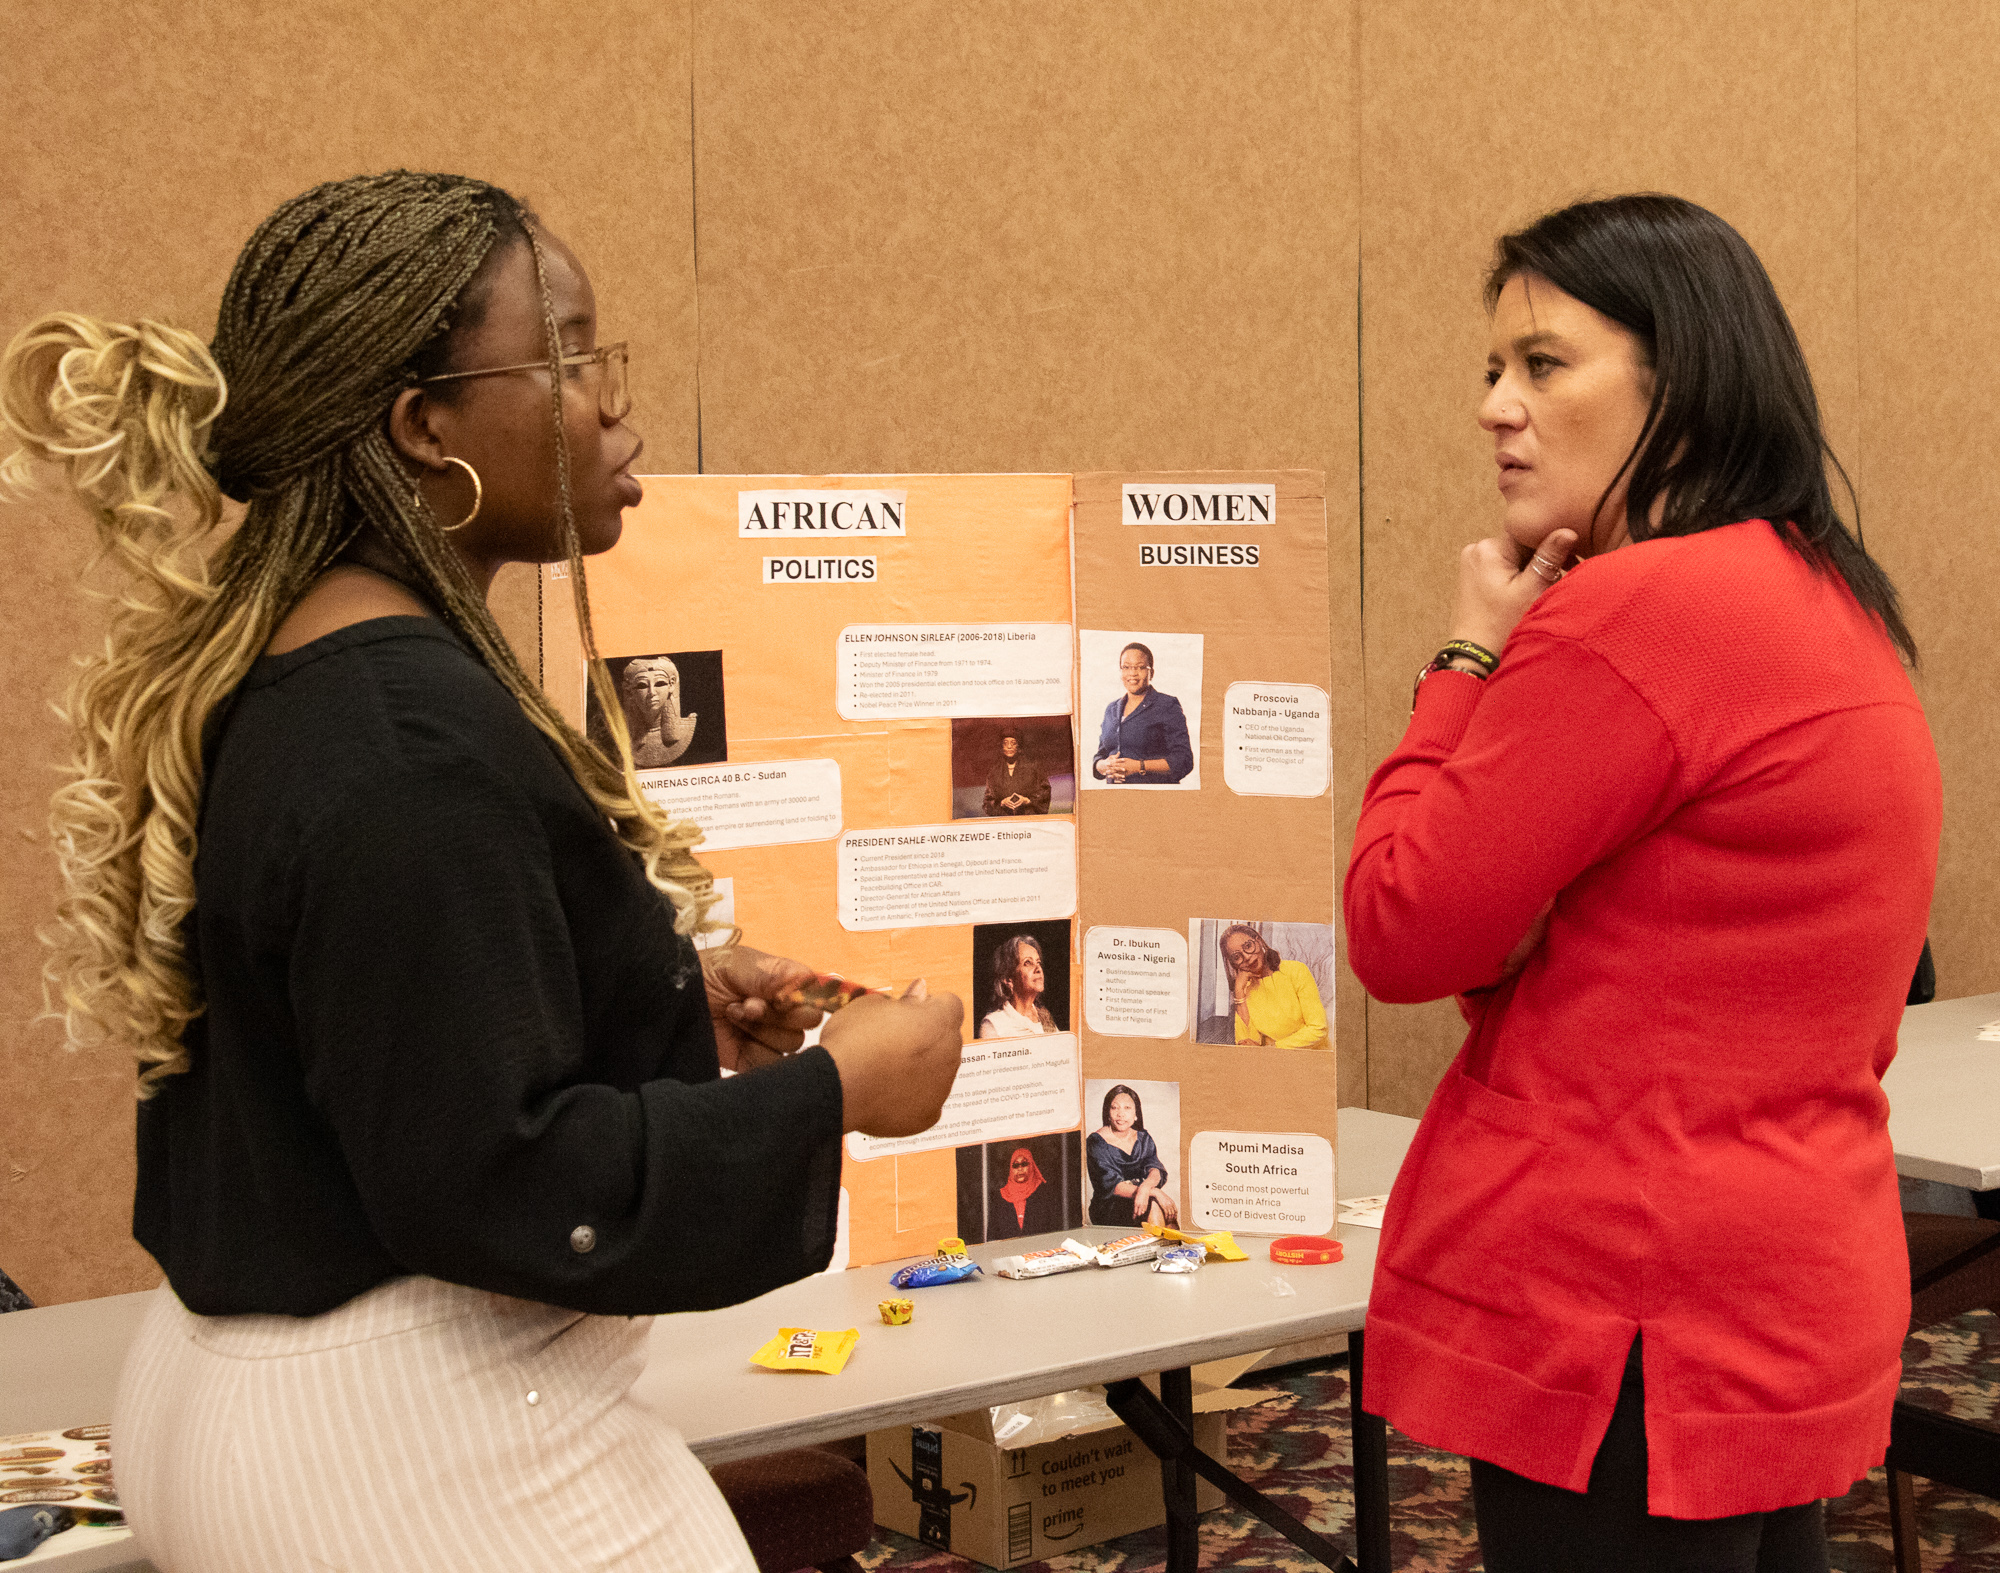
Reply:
x=431, y=1117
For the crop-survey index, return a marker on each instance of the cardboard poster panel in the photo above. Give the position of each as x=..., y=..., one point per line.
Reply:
x=825, y=673
x=1205, y=828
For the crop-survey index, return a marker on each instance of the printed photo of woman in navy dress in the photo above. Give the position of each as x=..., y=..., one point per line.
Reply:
x=1128, y=1177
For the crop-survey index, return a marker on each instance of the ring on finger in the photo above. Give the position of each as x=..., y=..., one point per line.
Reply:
x=1545, y=570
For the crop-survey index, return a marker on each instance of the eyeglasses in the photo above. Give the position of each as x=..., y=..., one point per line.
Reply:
x=614, y=386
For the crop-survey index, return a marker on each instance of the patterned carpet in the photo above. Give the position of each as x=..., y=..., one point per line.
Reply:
x=1295, y=1449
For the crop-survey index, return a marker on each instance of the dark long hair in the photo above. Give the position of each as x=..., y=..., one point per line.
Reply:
x=1733, y=431
x=1138, y=1108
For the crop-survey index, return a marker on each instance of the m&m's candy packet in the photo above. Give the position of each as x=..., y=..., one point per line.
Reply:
x=804, y=1349
x=896, y=1313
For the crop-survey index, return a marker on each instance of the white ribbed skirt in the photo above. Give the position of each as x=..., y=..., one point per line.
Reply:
x=422, y=1426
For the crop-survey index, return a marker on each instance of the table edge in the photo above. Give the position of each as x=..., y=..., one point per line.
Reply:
x=724, y=1447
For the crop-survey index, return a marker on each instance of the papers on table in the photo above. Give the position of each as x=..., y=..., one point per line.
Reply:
x=1990, y=1033
x=1363, y=1210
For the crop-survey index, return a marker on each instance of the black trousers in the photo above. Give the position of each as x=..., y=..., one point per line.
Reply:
x=1527, y=1527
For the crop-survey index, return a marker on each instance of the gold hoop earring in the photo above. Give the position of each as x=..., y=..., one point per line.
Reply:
x=478, y=495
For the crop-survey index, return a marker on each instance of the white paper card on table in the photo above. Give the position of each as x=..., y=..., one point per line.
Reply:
x=1276, y=739
x=1006, y=1087
x=1363, y=1211
x=921, y=671
x=1261, y=1182
x=1135, y=982
x=765, y=804
x=927, y=876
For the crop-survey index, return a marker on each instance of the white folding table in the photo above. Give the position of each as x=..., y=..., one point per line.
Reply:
x=993, y=1340
x=1944, y=1094
x=971, y=1345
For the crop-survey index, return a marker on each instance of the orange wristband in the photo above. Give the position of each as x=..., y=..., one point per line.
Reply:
x=1305, y=1250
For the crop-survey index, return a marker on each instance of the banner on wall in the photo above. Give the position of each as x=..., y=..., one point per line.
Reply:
x=909, y=761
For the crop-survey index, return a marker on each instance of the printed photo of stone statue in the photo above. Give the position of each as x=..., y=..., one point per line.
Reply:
x=673, y=708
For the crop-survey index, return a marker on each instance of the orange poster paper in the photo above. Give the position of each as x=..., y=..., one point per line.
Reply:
x=842, y=653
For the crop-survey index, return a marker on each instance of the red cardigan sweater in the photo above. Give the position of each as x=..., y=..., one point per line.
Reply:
x=1672, y=1119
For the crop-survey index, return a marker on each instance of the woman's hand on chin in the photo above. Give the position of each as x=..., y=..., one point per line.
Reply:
x=750, y=1028
x=1498, y=582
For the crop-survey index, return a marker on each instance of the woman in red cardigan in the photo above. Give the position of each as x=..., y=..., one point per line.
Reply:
x=1669, y=829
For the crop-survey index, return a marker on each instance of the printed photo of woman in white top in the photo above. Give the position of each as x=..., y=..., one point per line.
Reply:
x=1020, y=978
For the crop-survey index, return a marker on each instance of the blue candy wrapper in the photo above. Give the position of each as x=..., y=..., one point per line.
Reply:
x=933, y=1270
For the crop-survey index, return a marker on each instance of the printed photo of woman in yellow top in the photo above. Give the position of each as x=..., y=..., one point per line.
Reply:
x=1250, y=991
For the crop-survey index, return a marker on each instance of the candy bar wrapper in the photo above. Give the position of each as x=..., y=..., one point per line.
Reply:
x=933, y=1270
x=1064, y=1258
x=828, y=991
x=1221, y=1244
x=1180, y=1259
x=1129, y=1249
x=803, y=1349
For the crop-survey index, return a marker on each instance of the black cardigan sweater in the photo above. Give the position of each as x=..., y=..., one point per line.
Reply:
x=448, y=1022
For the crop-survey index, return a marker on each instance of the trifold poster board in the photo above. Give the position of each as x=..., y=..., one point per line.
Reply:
x=1059, y=745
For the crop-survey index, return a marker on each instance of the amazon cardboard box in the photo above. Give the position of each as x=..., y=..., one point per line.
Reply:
x=949, y=1484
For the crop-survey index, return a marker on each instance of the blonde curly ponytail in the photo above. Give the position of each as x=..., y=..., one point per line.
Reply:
x=331, y=307
x=124, y=410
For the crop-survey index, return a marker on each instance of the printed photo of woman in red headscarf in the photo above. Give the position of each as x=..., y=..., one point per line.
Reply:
x=1010, y=1189
x=1026, y=1203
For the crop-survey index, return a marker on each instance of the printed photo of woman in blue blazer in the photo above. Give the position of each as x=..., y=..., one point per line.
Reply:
x=1144, y=739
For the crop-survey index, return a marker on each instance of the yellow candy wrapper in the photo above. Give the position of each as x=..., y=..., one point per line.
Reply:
x=1221, y=1244
x=803, y=1349
x=896, y=1312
